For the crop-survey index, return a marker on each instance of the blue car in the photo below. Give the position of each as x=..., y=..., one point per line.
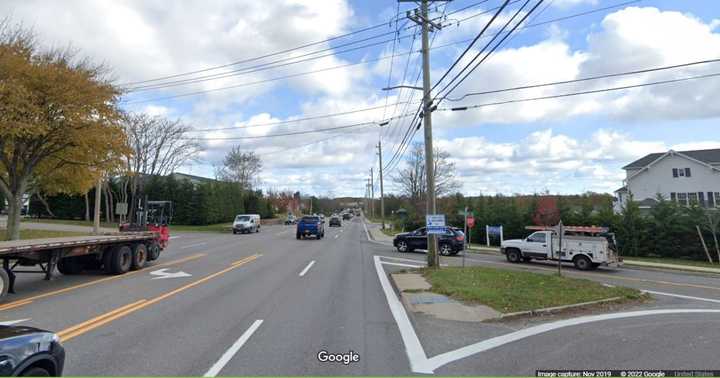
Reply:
x=310, y=226
x=30, y=352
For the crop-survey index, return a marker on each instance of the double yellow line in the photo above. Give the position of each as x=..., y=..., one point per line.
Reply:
x=28, y=300
x=89, y=325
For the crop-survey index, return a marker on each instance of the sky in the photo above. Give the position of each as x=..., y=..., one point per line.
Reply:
x=262, y=68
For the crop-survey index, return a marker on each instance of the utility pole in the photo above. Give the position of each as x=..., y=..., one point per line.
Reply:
x=382, y=193
x=372, y=193
x=431, y=208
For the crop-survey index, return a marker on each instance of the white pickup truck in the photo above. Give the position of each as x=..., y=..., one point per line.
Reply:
x=585, y=252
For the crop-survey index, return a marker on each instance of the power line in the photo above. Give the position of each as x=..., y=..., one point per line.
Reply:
x=670, y=81
x=392, y=60
x=291, y=133
x=589, y=78
x=319, y=116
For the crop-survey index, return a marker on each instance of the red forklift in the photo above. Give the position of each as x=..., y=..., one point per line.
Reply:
x=154, y=216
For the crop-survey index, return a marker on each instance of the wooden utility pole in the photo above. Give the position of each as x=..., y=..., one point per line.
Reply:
x=382, y=193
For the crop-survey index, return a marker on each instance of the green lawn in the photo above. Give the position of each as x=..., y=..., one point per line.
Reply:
x=42, y=234
x=509, y=291
x=667, y=260
x=68, y=221
x=220, y=227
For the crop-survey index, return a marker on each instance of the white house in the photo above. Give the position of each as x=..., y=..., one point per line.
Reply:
x=683, y=176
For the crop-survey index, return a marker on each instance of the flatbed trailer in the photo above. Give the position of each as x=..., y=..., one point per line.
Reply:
x=115, y=253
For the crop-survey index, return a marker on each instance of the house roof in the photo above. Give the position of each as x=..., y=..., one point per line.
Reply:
x=622, y=190
x=706, y=156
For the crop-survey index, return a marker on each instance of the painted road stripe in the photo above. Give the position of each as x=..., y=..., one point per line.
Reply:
x=193, y=245
x=402, y=259
x=336, y=236
x=413, y=348
x=307, y=268
x=402, y=264
x=681, y=296
x=445, y=358
x=228, y=355
x=118, y=313
x=28, y=300
x=12, y=322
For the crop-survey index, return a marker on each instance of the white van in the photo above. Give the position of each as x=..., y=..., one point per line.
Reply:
x=246, y=223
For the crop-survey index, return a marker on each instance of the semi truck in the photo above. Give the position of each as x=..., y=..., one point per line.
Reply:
x=115, y=253
x=586, y=247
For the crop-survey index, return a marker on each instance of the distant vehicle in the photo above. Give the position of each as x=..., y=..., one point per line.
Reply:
x=346, y=216
x=30, y=352
x=586, y=247
x=246, y=223
x=310, y=226
x=335, y=221
x=322, y=218
x=290, y=220
x=450, y=242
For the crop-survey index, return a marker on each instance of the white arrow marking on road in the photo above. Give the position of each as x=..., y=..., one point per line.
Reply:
x=162, y=273
x=11, y=322
x=228, y=355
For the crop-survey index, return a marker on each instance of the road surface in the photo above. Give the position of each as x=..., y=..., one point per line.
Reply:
x=267, y=304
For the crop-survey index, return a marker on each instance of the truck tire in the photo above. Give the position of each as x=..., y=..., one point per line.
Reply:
x=582, y=262
x=121, y=260
x=297, y=236
x=139, y=256
x=153, y=252
x=4, y=284
x=70, y=265
x=107, y=259
x=513, y=255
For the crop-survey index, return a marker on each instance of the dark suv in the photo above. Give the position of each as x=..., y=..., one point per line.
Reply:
x=30, y=352
x=451, y=241
x=335, y=221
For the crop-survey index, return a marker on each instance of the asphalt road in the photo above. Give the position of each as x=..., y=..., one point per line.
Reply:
x=266, y=304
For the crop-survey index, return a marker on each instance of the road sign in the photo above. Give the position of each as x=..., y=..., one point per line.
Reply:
x=121, y=208
x=470, y=221
x=435, y=223
x=494, y=230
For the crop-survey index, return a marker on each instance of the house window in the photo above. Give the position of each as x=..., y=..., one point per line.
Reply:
x=682, y=198
x=710, y=199
x=673, y=196
x=701, y=198
x=681, y=172
x=717, y=199
x=687, y=172
x=675, y=172
x=693, y=198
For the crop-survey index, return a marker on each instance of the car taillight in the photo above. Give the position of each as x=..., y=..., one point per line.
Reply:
x=459, y=238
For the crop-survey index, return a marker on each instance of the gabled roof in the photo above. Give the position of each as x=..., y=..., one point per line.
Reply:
x=706, y=156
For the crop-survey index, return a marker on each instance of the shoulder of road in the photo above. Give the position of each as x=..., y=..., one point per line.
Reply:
x=378, y=235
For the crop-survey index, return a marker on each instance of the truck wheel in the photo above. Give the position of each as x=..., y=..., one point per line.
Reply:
x=4, y=284
x=297, y=236
x=445, y=249
x=582, y=262
x=513, y=255
x=153, y=252
x=139, y=256
x=70, y=265
x=107, y=259
x=121, y=260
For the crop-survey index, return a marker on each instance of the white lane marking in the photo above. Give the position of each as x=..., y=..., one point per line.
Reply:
x=401, y=264
x=336, y=236
x=193, y=245
x=163, y=273
x=173, y=237
x=307, y=268
x=228, y=355
x=413, y=348
x=402, y=259
x=681, y=296
x=11, y=322
x=442, y=359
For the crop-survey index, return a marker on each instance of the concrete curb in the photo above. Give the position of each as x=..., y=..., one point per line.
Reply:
x=550, y=310
x=688, y=268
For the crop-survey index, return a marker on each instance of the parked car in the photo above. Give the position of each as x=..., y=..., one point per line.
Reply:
x=290, y=220
x=30, y=352
x=246, y=223
x=310, y=226
x=450, y=242
x=335, y=221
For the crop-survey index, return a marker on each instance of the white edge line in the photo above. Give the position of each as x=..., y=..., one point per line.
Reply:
x=11, y=322
x=413, y=348
x=307, y=268
x=681, y=296
x=445, y=358
x=402, y=259
x=228, y=355
x=401, y=264
x=193, y=245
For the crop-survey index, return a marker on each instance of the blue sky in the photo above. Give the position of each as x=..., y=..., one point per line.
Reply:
x=566, y=146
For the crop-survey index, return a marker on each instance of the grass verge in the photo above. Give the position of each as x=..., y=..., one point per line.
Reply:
x=43, y=234
x=68, y=221
x=220, y=227
x=509, y=291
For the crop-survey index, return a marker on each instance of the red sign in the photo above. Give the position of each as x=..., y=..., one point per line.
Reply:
x=470, y=221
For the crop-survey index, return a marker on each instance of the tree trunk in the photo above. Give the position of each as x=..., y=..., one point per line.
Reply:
x=717, y=248
x=44, y=202
x=13, y=221
x=87, y=207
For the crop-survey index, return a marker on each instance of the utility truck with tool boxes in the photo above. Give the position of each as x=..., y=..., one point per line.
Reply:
x=115, y=253
x=586, y=247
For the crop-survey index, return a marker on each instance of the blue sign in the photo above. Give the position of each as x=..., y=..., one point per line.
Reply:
x=435, y=224
x=494, y=230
